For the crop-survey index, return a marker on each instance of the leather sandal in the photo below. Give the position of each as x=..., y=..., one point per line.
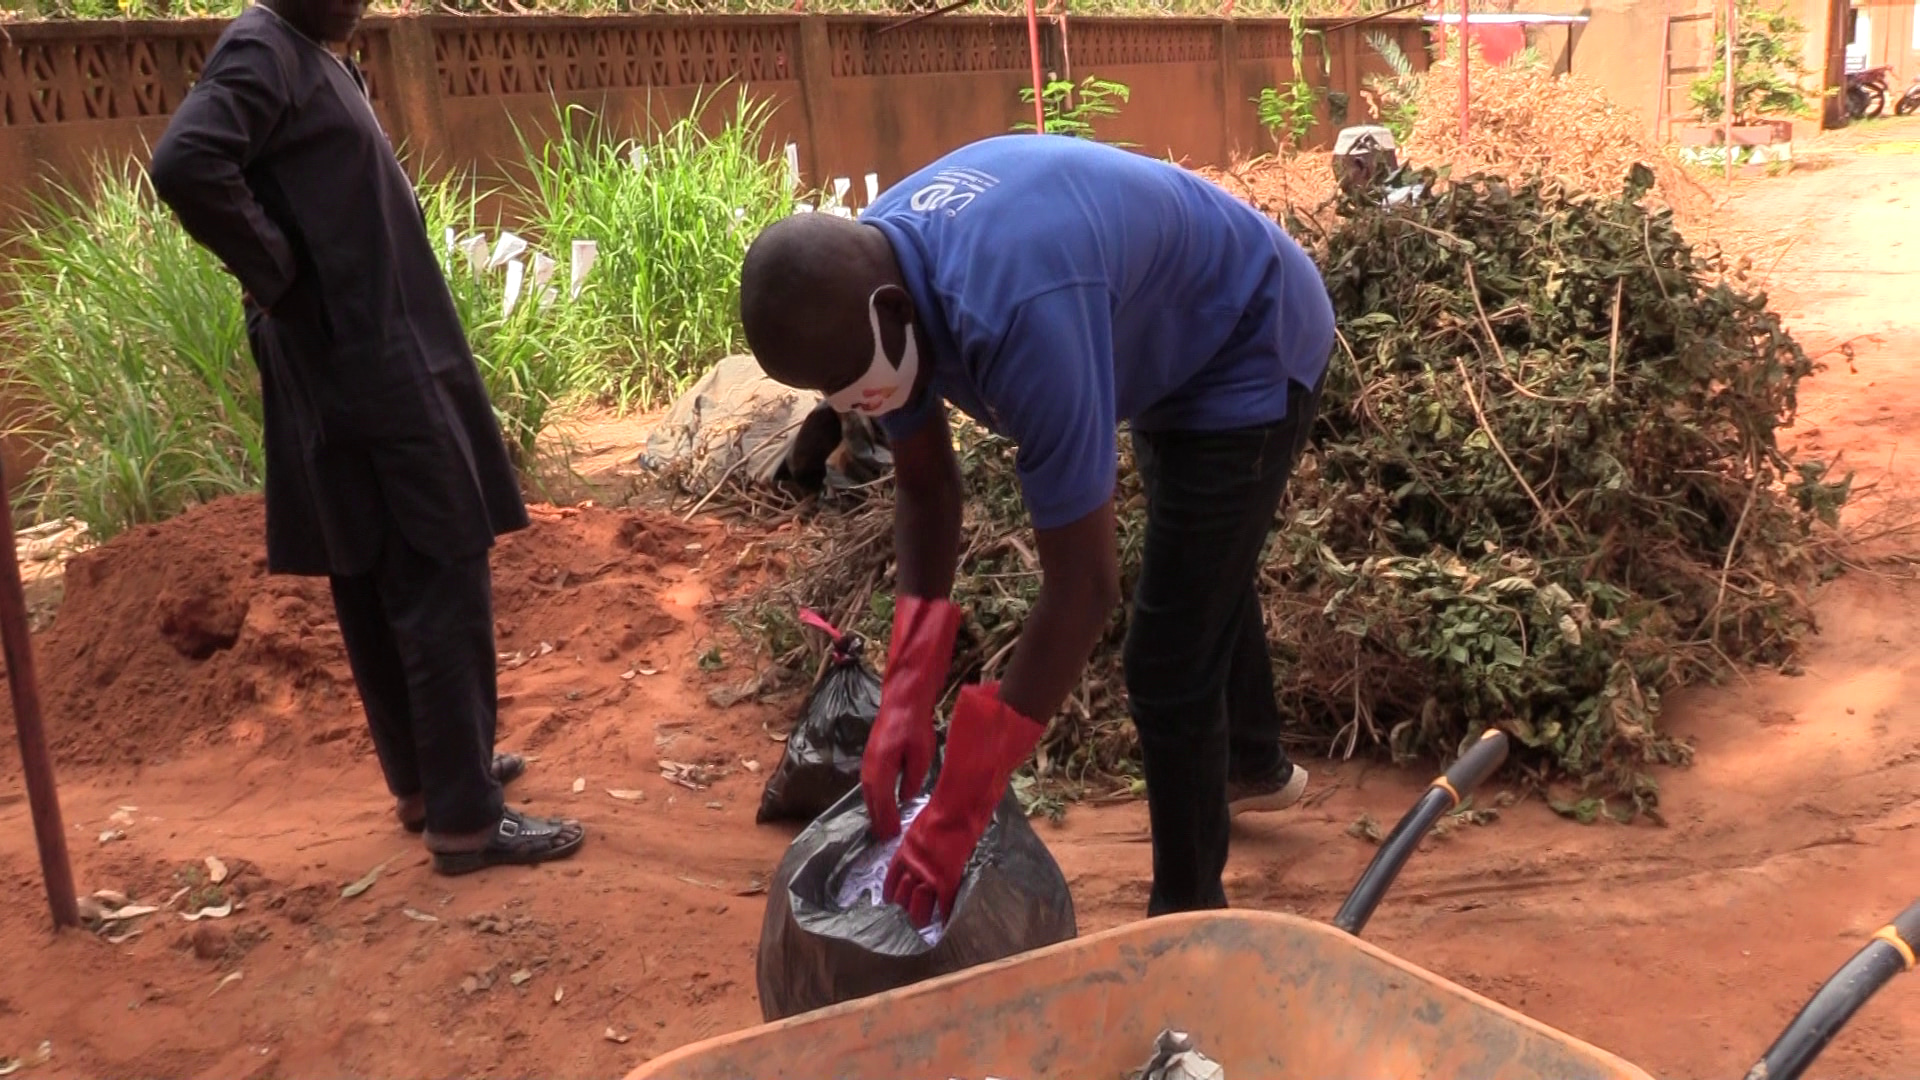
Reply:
x=518, y=840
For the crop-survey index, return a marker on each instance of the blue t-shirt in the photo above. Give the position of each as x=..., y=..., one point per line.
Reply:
x=1066, y=286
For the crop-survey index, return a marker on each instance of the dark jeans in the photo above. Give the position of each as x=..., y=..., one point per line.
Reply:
x=419, y=636
x=1199, y=677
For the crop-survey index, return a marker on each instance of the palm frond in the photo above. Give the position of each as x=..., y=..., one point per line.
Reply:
x=1391, y=52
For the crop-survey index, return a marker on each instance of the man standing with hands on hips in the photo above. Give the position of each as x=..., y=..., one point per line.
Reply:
x=1051, y=288
x=385, y=467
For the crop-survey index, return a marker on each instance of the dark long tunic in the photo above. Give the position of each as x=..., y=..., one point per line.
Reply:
x=376, y=417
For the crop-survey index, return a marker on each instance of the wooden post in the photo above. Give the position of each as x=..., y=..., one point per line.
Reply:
x=1733, y=27
x=1232, y=97
x=1464, y=83
x=1834, y=79
x=814, y=56
x=48, y=831
x=1033, y=47
x=1664, y=101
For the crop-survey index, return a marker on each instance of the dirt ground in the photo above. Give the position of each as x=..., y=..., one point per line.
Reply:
x=200, y=709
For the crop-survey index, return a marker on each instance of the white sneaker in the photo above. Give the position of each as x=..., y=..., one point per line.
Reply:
x=1276, y=792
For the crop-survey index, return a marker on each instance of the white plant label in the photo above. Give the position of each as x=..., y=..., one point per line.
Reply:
x=516, y=277
x=509, y=248
x=476, y=251
x=543, y=268
x=584, y=254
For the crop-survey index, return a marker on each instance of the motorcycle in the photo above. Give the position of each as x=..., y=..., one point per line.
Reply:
x=1867, y=92
x=1909, y=102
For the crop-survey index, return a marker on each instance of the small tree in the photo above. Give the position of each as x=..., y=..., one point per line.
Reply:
x=1396, y=96
x=1070, y=109
x=1288, y=112
x=1767, y=73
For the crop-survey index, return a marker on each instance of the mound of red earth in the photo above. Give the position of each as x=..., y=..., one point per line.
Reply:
x=173, y=636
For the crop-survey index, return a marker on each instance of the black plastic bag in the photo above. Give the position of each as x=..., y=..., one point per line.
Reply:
x=814, y=953
x=822, y=759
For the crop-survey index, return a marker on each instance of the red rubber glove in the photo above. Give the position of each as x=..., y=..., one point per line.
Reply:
x=985, y=743
x=900, y=746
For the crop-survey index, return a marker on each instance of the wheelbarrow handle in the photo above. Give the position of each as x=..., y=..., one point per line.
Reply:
x=1442, y=797
x=1891, y=951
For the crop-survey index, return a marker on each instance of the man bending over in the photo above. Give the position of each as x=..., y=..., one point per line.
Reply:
x=1051, y=288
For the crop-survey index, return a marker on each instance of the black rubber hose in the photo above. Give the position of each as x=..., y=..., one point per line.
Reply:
x=1891, y=952
x=1442, y=797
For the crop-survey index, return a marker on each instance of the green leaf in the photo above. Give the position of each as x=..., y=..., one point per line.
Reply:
x=1586, y=811
x=1508, y=653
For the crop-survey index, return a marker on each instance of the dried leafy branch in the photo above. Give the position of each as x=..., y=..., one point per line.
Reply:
x=1549, y=485
x=1547, y=489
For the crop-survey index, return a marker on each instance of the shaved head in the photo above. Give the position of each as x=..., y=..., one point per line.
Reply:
x=803, y=298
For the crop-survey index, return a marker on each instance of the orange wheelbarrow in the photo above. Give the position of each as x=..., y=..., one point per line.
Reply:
x=1267, y=996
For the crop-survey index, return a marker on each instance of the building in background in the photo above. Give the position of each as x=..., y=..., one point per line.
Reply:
x=1626, y=46
x=1885, y=33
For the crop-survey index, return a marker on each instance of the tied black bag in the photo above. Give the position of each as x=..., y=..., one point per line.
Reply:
x=817, y=951
x=822, y=759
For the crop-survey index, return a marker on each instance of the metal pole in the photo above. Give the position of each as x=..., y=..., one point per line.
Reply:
x=944, y=9
x=1733, y=20
x=48, y=831
x=1463, y=70
x=1394, y=10
x=1033, y=46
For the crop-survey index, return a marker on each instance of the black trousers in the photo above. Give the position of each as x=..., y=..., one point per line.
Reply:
x=419, y=636
x=1199, y=677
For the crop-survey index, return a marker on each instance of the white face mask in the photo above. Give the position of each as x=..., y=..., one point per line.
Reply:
x=884, y=387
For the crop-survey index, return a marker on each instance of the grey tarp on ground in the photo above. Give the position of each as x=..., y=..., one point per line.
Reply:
x=736, y=420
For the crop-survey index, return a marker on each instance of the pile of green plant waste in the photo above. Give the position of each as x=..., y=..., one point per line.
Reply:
x=1546, y=490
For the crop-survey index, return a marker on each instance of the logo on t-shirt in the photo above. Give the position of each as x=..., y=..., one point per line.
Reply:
x=951, y=190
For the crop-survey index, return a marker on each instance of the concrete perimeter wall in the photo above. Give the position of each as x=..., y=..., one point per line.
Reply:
x=855, y=96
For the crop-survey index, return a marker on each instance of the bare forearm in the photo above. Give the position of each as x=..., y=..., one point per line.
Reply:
x=1051, y=655
x=1078, y=594
x=926, y=515
x=926, y=541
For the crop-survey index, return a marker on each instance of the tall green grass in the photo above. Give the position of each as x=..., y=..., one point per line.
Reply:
x=537, y=358
x=130, y=354
x=129, y=349
x=128, y=346
x=673, y=214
